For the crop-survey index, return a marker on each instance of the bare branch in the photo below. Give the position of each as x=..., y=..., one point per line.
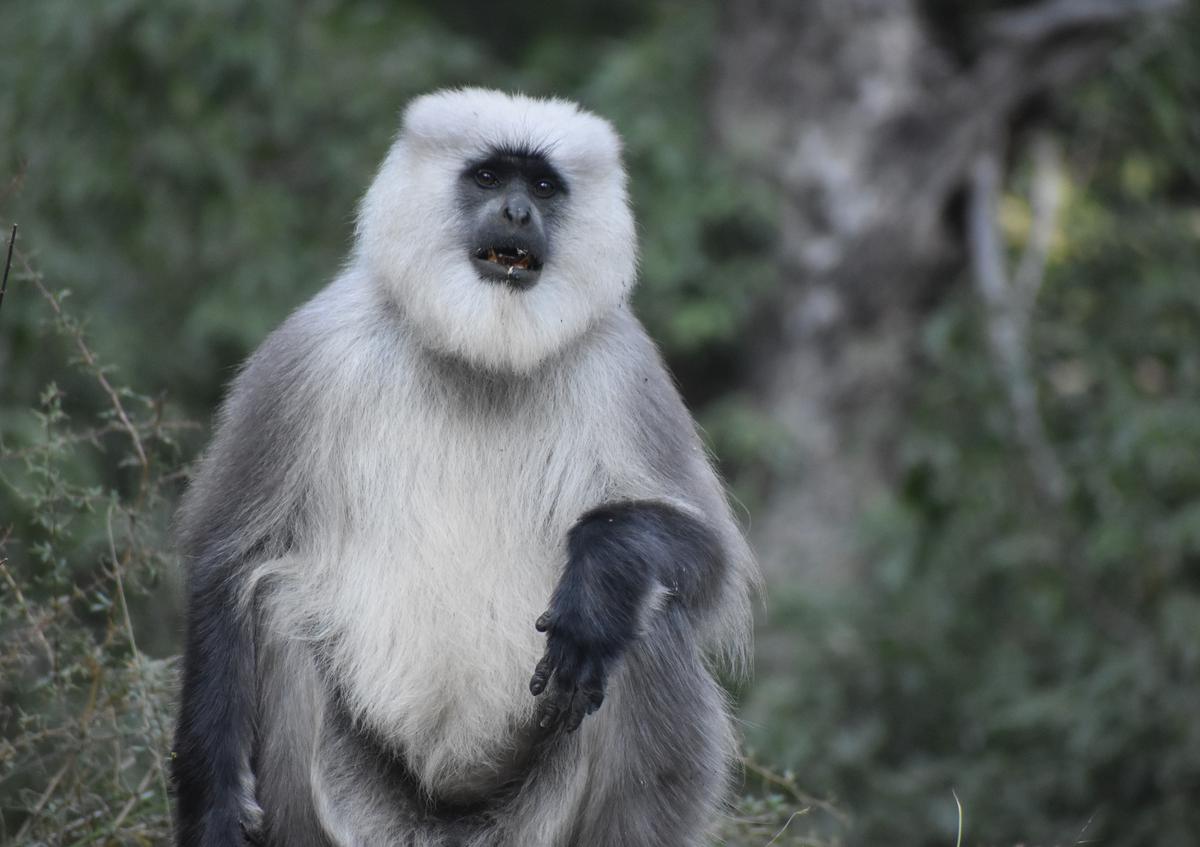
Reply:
x=1056, y=17
x=119, y=564
x=12, y=240
x=89, y=359
x=93, y=436
x=140, y=794
x=45, y=796
x=788, y=784
x=1005, y=333
x=35, y=626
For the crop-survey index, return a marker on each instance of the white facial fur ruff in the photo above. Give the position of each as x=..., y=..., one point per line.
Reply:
x=412, y=239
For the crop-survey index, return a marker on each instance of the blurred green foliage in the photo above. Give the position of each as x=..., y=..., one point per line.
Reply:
x=1043, y=661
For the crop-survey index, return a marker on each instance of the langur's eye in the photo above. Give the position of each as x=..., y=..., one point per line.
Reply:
x=486, y=178
x=544, y=188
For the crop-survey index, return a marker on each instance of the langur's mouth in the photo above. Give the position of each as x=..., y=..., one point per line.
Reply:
x=510, y=257
x=516, y=266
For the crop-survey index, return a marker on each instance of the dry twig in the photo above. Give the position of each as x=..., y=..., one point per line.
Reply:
x=89, y=359
x=12, y=240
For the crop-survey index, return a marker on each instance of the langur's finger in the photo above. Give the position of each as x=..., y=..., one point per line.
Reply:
x=592, y=687
x=567, y=667
x=575, y=713
x=549, y=712
x=541, y=676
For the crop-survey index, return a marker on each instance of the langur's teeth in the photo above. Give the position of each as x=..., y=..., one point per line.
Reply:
x=516, y=258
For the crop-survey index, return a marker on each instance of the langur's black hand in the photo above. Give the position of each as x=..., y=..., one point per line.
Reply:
x=575, y=675
x=594, y=615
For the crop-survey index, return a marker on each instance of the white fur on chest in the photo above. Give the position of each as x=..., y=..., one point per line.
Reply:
x=444, y=537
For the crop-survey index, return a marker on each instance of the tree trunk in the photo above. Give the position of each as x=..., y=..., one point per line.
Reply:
x=868, y=115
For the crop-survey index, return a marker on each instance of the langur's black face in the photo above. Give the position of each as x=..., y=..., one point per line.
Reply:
x=512, y=203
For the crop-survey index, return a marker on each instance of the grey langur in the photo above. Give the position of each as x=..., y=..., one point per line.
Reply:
x=458, y=568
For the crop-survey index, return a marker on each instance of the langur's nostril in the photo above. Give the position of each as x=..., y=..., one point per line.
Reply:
x=517, y=212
